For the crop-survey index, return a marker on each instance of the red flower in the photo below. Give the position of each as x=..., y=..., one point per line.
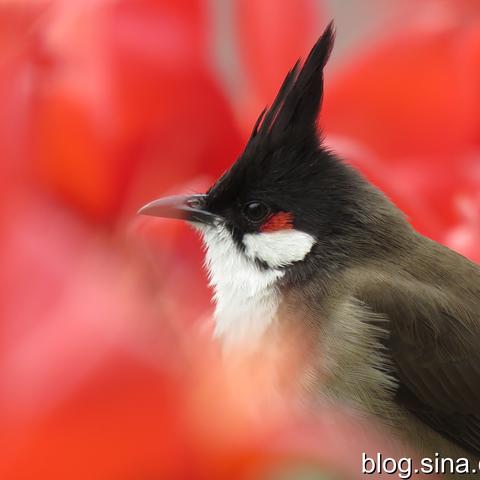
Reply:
x=411, y=103
x=107, y=104
x=106, y=94
x=271, y=35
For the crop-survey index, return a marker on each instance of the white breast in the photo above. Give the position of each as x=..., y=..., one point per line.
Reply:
x=245, y=295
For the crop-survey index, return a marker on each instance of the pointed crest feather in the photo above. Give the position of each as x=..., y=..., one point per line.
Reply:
x=296, y=106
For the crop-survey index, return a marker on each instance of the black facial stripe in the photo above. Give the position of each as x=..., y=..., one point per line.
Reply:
x=237, y=236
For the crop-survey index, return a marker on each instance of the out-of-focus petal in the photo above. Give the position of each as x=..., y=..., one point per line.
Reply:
x=411, y=101
x=464, y=237
x=114, y=101
x=272, y=35
x=407, y=95
x=433, y=199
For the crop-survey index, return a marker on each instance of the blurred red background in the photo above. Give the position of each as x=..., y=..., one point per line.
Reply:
x=106, y=369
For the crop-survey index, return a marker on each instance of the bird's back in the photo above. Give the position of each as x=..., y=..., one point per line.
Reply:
x=424, y=307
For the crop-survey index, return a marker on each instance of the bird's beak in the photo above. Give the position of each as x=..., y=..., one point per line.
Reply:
x=191, y=208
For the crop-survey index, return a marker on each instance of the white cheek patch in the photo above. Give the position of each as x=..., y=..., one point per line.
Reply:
x=278, y=249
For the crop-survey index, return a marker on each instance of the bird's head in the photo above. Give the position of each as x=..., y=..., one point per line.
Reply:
x=286, y=196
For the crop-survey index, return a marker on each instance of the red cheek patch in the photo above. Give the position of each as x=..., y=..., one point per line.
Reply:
x=279, y=221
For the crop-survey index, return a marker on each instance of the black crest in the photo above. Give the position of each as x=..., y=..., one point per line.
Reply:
x=278, y=157
x=296, y=106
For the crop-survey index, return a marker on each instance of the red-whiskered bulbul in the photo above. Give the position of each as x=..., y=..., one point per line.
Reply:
x=391, y=318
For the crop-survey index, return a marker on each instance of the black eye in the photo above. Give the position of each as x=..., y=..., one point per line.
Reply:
x=255, y=211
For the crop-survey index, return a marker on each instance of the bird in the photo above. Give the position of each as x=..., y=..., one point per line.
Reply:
x=390, y=319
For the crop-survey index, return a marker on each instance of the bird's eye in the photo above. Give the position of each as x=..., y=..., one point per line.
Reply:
x=256, y=211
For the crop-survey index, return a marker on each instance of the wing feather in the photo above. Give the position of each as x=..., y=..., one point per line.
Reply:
x=434, y=344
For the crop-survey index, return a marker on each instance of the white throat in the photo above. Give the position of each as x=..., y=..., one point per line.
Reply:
x=246, y=296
